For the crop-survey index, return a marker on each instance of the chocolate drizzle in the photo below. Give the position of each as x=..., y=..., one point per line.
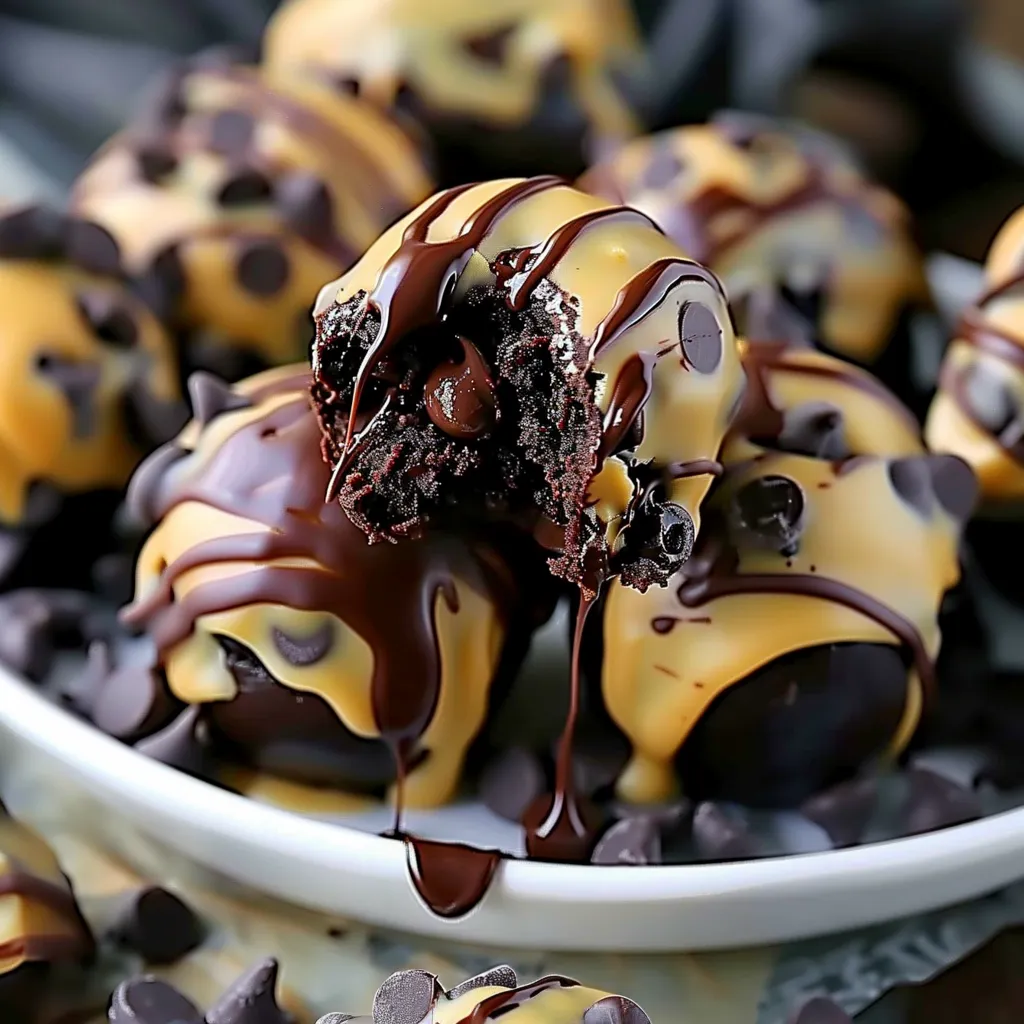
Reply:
x=503, y=1002
x=451, y=878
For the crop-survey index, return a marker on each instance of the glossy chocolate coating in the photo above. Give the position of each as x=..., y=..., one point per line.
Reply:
x=513, y=88
x=88, y=387
x=237, y=194
x=768, y=209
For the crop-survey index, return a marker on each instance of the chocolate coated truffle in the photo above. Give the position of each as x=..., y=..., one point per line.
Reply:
x=235, y=197
x=503, y=89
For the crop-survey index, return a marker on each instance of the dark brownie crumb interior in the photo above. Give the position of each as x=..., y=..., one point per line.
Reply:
x=532, y=466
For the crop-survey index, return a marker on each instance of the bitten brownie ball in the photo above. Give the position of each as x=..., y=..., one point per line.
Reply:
x=504, y=88
x=309, y=654
x=778, y=210
x=520, y=351
x=236, y=193
x=798, y=644
x=88, y=386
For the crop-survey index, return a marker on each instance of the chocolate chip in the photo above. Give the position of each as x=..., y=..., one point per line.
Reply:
x=630, y=841
x=406, y=997
x=815, y=429
x=305, y=204
x=108, y=318
x=211, y=397
x=502, y=976
x=92, y=248
x=765, y=316
x=615, y=1010
x=342, y=1018
x=149, y=1001
x=157, y=925
x=42, y=504
x=701, y=337
x=262, y=268
x=935, y=802
x=820, y=1010
x=162, y=283
x=77, y=381
x=769, y=511
x=490, y=47
x=511, y=782
x=39, y=623
x=844, y=810
x=718, y=838
x=32, y=233
x=79, y=691
x=246, y=185
x=955, y=485
x=911, y=479
x=230, y=132
x=178, y=744
x=134, y=702
x=155, y=160
x=304, y=650
x=251, y=999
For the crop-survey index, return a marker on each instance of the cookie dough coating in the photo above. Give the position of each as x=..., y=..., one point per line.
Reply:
x=977, y=412
x=313, y=655
x=798, y=643
x=520, y=86
x=767, y=208
x=40, y=923
x=237, y=194
x=807, y=402
x=520, y=350
x=418, y=996
x=88, y=385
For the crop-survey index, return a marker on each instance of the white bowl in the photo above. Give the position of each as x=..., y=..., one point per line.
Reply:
x=341, y=870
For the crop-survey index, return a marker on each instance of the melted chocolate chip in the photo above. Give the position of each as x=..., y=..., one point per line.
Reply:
x=230, y=132
x=935, y=802
x=158, y=926
x=615, y=1010
x=701, y=337
x=149, y=1001
x=251, y=999
x=304, y=650
x=162, y=284
x=32, y=233
x=820, y=1010
x=630, y=841
x=134, y=701
x=502, y=976
x=262, y=268
x=911, y=479
x=92, y=247
x=460, y=397
x=406, y=997
x=844, y=810
x=511, y=783
x=815, y=429
x=955, y=485
x=304, y=202
x=491, y=47
x=77, y=381
x=211, y=397
x=769, y=511
x=155, y=160
x=108, y=318
x=719, y=838
x=245, y=186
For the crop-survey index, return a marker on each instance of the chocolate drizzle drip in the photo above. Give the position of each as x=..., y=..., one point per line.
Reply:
x=451, y=878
